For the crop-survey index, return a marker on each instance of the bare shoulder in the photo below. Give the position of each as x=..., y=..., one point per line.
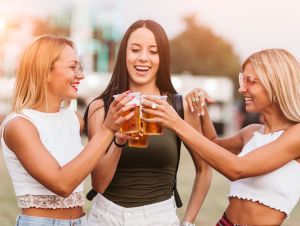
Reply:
x=18, y=131
x=96, y=106
x=96, y=116
x=292, y=133
x=289, y=141
x=247, y=132
x=18, y=123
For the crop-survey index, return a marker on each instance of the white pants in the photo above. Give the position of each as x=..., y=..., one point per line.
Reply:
x=107, y=213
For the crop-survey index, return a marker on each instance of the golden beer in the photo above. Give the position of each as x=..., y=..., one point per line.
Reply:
x=141, y=142
x=133, y=125
x=152, y=128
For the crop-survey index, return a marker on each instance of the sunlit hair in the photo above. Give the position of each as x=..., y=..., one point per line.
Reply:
x=32, y=74
x=279, y=72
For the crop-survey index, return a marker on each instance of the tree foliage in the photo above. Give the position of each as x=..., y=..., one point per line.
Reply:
x=201, y=52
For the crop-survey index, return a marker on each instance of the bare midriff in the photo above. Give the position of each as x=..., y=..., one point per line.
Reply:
x=67, y=213
x=247, y=212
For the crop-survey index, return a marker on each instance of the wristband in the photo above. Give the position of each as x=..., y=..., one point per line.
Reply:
x=118, y=145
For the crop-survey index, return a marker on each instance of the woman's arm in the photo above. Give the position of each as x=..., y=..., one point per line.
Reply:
x=106, y=166
x=203, y=173
x=199, y=109
x=262, y=160
x=22, y=137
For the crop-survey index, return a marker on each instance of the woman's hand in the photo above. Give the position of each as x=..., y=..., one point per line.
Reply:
x=197, y=100
x=115, y=115
x=164, y=114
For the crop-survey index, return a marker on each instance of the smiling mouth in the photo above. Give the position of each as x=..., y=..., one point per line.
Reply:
x=248, y=99
x=142, y=69
x=74, y=85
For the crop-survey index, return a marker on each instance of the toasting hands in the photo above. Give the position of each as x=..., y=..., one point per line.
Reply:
x=115, y=115
x=163, y=113
x=197, y=100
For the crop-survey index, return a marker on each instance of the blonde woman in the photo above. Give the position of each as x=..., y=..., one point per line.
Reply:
x=41, y=139
x=262, y=161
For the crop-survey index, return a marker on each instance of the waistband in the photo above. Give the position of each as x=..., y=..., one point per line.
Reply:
x=224, y=221
x=82, y=221
x=103, y=203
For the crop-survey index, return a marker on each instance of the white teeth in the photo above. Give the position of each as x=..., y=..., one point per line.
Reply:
x=248, y=99
x=143, y=68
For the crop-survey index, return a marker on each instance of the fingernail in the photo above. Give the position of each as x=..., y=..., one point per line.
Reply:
x=192, y=109
x=202, y=113
x=202, y=104
x=199, y=114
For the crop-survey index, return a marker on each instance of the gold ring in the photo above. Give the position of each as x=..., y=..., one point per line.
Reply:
x=195, y=99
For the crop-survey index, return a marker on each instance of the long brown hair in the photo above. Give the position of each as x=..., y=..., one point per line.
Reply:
x=119, y=81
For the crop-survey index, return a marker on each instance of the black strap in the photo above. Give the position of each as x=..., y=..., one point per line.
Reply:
x=92, y=193
x=178, y=106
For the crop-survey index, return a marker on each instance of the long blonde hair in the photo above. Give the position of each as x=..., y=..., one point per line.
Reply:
x=279, y=72
x=32, y=74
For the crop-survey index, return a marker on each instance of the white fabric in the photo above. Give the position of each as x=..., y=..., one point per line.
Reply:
x=279, y=189
x=107, y=213
x=60, y=134
x=51, y=201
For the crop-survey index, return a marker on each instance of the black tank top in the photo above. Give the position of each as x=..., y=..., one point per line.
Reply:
x=145, y=175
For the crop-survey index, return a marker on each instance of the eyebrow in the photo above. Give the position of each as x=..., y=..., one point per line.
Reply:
x=73, y=61
x=136, y=44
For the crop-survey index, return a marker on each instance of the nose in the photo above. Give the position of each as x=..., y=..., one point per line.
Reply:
x=242, y=89
x=144, y=56
x=80, y=75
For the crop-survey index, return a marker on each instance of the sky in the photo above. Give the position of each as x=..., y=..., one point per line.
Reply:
x=248, y=25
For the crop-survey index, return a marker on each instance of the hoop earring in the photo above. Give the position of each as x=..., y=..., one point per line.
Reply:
x=274, y=99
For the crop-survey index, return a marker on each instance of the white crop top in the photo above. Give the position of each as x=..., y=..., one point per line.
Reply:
x=59, y=133
x=279, y=189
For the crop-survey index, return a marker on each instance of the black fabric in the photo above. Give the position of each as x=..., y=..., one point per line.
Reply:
x=178, y=106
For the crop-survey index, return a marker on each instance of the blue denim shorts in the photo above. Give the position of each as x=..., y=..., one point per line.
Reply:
x=25, y=220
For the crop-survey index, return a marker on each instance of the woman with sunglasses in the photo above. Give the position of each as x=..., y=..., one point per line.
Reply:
x=262, y=161
x=41, y=139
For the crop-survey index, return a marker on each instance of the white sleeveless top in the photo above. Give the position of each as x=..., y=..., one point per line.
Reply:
x=60, y=134
x=279, y=189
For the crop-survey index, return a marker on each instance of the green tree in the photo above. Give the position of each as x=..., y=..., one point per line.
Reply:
x=200, y=51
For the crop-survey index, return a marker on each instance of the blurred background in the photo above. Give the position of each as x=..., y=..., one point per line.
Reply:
x=209, y=41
